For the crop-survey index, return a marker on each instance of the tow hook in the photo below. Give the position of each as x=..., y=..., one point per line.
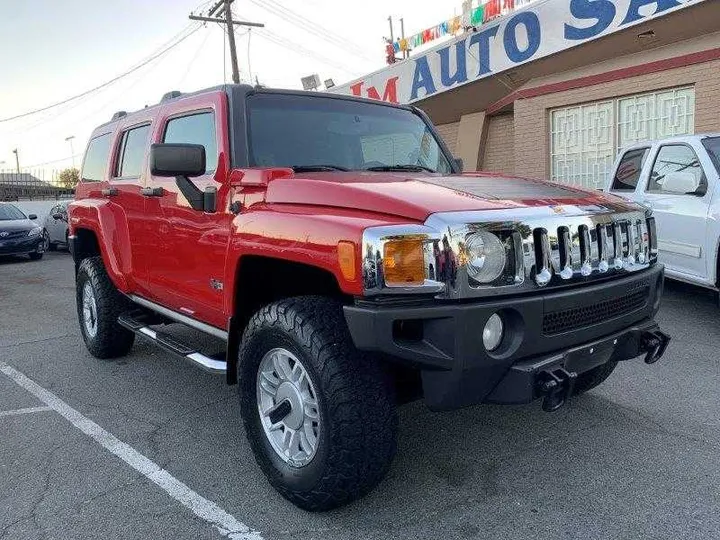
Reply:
x=556, y=386
x=655, y=342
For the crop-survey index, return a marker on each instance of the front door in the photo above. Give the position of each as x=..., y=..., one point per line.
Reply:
x=187, y=264
x=681, y=218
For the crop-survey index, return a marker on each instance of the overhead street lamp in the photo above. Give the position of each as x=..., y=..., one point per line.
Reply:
x=72, y=152
x=17, y=160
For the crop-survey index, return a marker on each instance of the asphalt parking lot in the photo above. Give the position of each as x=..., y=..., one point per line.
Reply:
x=639, y=457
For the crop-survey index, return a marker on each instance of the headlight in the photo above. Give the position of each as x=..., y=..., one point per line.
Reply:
x=35, y=232
x=486, y=257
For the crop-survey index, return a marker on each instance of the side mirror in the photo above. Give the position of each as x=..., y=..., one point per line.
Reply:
x=183, y=161
x=459, y=164
x=680, y=182
x=32, y=217
x=177, y=160
x=57, y=215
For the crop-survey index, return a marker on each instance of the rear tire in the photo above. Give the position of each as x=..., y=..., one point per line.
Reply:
x=348, y=447
x=99, y=304
x=595, y=377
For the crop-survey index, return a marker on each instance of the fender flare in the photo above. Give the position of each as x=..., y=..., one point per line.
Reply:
x=109, y=226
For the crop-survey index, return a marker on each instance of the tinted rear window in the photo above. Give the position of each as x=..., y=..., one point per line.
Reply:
x=712, y=145
x=629, y=168
x=132, y=151
x=96, y=157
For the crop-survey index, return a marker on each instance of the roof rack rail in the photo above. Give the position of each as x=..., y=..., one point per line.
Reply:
x=170, y=95
x=118, y=114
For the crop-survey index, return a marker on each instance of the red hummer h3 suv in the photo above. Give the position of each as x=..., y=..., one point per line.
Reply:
x=336, y=248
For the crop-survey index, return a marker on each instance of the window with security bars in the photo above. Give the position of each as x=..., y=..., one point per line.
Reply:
x=585, y=139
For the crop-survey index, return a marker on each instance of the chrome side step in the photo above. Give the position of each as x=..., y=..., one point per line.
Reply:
x=170, y=344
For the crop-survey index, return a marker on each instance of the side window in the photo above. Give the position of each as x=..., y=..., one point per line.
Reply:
x=676, y=158
x=195, y=129
x=96, y=157
x=628, y=171
x=132, y=152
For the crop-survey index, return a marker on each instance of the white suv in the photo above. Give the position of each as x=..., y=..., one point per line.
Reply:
x=679, y=178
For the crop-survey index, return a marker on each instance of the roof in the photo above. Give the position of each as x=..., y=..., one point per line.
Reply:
x=234, y=89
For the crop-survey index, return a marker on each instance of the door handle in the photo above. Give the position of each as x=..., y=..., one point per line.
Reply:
x=152, y=192
x=110, y=192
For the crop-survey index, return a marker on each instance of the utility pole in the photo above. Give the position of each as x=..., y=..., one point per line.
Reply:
x=17, y=160
x=227, y=20
x=72, y=152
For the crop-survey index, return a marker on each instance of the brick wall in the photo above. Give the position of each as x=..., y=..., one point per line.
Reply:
x=449, y=133
x=500, y=146
x=532, y=140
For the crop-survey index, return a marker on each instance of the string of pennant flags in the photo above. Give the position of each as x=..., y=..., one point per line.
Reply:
x=472, y=17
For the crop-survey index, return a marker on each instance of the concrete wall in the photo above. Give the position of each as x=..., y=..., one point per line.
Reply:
x=499, y=152
x=449, y=133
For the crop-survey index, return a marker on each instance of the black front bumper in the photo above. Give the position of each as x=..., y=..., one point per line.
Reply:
x=20, y=246
x=575, y=329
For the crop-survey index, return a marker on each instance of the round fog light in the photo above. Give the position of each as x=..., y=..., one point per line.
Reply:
x=493, y=332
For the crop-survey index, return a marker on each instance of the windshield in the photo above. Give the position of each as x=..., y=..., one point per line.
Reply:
x=9, y=212
x=317, y=133
x=712, y=145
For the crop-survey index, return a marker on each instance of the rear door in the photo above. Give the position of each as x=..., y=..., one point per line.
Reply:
x=127, y=179
x=187, y=264
x=681, y=218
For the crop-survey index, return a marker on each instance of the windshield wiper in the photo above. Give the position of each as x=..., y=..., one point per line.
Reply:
x=401, y=168
x=317, y=168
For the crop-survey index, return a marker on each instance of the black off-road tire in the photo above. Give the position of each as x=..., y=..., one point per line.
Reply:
x=355, y=398
x=595, y=377
x=111, y=340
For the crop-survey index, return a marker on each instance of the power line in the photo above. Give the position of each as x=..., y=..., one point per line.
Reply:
x=51, y=162
x=108, y=83
x=297, y=48
x=313, y=28
x=228, y=20
x=194, y=58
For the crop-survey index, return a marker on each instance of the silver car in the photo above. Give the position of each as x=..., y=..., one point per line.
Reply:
x=56, y=226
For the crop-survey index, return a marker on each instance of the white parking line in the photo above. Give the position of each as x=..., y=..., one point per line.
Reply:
x=201, y=507
x=28, y=410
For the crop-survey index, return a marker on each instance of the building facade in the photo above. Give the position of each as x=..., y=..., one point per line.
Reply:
x=555, y=90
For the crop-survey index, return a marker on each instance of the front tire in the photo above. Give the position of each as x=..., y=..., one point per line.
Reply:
x=99, y=304
x=319, y=415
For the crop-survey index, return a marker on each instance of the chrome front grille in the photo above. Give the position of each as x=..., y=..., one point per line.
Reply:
x=579, y=249
x=547, y=246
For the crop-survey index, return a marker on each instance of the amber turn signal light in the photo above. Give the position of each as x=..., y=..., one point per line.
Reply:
x=346, y=260
x=404, y=262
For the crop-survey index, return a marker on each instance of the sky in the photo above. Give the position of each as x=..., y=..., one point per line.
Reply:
x=50, y=51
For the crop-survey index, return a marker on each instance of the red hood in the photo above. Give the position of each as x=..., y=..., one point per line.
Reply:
x=417, y=195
